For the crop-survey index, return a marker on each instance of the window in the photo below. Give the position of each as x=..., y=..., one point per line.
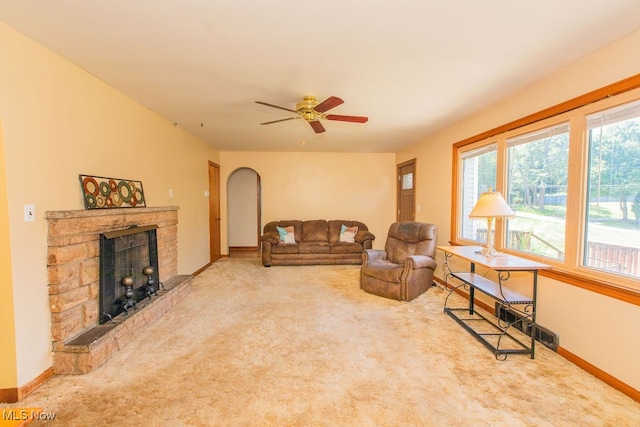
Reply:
x=612, y=238
x=478, y=176
x=537, y=175
x=407, y=181
x=572, y=175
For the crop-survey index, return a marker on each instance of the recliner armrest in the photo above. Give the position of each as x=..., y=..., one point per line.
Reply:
x=420, y=261
x=373, y=255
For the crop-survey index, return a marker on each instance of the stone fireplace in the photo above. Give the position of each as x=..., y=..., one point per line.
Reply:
x=80, y=342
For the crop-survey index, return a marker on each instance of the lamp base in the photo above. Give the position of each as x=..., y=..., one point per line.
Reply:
x=487, y=251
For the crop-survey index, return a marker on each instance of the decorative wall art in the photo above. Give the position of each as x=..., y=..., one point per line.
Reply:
x=100, y=192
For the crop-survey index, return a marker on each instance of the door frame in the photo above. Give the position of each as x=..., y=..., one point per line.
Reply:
x=258, y=212
x=215, y=252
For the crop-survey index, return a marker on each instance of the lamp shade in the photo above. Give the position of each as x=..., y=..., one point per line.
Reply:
x=491, y=205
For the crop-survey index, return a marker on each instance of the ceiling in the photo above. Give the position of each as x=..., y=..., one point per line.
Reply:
x=412, y=66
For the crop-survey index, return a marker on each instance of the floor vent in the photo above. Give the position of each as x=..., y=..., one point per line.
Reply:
x=543, y=335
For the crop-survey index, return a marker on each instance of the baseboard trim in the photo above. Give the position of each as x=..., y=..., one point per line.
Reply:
x=13, y=395
x=600, y=374
x=201, y=269
x=576, y=360
x=244, y=248
x=9, y=395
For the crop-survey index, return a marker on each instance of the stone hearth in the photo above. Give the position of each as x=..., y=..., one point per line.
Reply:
x=80, y=343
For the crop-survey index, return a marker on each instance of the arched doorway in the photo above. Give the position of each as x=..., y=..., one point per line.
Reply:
x=244, y=212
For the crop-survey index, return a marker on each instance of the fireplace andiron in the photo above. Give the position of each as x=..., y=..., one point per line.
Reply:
x=151, y=284
x=127, y=282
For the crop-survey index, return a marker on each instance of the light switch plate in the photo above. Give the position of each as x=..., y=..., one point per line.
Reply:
x=29, y=213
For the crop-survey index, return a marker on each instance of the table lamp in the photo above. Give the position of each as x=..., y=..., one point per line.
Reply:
x=491, y=205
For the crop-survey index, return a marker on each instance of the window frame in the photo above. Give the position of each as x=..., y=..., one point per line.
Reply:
x=573, y=111
x=460, y=193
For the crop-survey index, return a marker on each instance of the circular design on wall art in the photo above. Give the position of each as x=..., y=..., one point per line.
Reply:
x=125, y=191
x=109, y=202
x=90, y=200
x=139, y=195
x=116, y=199
x=100, y=201
x=134, y=200
x=104, y=188
x=113, y=185
x=90, y=186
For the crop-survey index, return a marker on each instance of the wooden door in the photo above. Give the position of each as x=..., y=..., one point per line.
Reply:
x=406, y=191
x=214, y=212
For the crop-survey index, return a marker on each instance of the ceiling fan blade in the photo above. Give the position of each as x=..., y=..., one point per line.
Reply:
x=275, y=106
x=353, y=119
x=328, y=104
x=281, y=120
x=317, y=126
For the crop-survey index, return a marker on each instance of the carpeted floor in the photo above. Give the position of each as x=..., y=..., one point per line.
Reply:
x=304, y=346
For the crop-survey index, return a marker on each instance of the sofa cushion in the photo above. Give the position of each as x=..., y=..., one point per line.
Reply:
x=284, y=249
x=316, y=230
x=314, y=248
x=346, y=248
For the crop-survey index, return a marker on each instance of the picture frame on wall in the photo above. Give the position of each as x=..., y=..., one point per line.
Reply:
x=99, y=192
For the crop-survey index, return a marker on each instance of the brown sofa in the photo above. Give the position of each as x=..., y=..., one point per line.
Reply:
x=316, y=242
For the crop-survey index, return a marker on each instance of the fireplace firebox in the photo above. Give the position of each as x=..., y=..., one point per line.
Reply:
x=128, y=270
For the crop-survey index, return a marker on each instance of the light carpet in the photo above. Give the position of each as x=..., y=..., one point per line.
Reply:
x=305, y=346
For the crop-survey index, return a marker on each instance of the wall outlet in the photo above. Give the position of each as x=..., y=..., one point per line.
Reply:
x=29, y=213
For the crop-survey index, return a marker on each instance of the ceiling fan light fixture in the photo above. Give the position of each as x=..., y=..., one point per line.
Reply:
x=308, y=103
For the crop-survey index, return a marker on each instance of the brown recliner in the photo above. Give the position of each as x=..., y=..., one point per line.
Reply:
x=404, y=269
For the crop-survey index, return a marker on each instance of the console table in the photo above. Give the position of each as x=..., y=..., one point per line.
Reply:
x=494, y=334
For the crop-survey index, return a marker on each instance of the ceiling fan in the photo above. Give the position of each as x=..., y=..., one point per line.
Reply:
x=312, y=112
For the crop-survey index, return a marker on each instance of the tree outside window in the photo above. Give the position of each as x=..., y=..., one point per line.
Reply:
x=612, y=238
x=537, y=190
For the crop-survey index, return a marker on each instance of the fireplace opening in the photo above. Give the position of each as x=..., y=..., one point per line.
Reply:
x=128, y=270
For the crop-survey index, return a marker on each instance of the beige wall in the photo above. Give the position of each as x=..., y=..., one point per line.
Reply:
x=58, y=122
x=8, y=367
x=594, y=327
x=319, y=186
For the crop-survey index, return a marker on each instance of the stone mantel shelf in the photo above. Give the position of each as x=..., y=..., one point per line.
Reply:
x=86, y=213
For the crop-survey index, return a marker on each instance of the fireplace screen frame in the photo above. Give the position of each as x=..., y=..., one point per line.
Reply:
x=111, y=300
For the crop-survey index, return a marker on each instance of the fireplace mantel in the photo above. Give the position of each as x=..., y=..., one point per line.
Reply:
x=80, y=344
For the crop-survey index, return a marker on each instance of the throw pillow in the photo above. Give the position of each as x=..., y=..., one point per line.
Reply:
x=348, y=234
x=286, y=234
